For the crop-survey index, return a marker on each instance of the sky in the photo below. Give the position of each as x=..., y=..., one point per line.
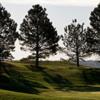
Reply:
x=55, y=2
x=60, y=12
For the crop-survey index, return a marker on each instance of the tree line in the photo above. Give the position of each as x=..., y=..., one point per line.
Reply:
x=38, y=35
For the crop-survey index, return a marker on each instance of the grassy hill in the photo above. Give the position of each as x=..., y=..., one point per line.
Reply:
x=51, y=81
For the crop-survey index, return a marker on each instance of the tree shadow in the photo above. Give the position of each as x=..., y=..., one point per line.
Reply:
x=85, y=88
x=34, y=68
x=54, y=79
x=91, y=76
x=11, y=79
x=63, y=84
x=66, y=85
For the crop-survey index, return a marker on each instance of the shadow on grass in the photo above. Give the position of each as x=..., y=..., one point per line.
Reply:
x=65, y=84
x=85, y=88
x=11, y=79
x=90, y=78
x=54, y=79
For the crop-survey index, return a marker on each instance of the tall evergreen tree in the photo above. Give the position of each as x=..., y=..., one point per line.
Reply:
x=95, y=23
x=8, y=34
x=95, y=19
x=92, y=41
x=38, y=34
x=74, y=40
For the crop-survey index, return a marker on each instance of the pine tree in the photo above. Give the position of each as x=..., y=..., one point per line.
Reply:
x=95, y=30
x=74, y=40
x=95, y=18
x=38, y=34
x=8, y=34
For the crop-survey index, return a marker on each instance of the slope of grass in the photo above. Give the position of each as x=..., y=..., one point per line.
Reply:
x=8, y=95
x=52, y=81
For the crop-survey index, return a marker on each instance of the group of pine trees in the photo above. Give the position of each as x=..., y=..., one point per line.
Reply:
x=38, y=35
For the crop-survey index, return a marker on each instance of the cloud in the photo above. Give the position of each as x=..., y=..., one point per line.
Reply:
x=55, y=2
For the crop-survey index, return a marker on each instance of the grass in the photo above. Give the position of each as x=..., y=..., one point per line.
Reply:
x=52, y=81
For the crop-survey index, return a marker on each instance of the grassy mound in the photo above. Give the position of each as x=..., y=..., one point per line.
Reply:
x=51, y=81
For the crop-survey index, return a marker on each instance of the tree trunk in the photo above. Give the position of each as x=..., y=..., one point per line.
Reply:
x=77, y=57
x=77, y=51
x=37, y=47
x=37, y=59
x=37, y=56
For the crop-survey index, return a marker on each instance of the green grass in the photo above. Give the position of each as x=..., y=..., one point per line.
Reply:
x=52, y=81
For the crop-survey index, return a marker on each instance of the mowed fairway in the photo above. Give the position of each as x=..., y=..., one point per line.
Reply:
x=51, y=81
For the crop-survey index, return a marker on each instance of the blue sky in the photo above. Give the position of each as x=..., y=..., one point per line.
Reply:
x=60, y=12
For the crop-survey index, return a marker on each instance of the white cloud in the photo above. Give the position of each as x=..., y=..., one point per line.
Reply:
x=55, y=2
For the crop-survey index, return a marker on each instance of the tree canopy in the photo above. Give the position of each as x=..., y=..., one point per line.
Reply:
x=8, y=34
x=74, y=40
x=37, y=33
x=95, y=18
x=95, y=30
